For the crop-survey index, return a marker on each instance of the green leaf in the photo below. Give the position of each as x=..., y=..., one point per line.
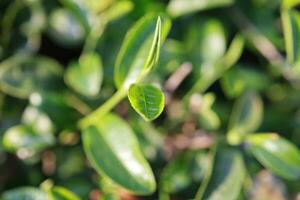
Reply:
x=117, y=10
x=277, y=154
x=54, y=103
x=178, y=8
x=246, y=117
x=227, y=177
x=291, y=30
x=287, y=4
x=241, y=78
x=64, y=29
x=113, y=150
x=28, y=193
x=208, y=118
x=61, y=193
x=184, y=170
x=20, y=76
x=86, y=76
x=146, y=100
x=25, y=141
x=140, y=50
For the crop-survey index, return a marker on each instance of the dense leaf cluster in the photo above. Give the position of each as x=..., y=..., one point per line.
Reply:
x=149, y=99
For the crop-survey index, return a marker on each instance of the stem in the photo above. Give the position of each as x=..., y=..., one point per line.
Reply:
x=104, y=109
x=93, y=37
x=78, y=104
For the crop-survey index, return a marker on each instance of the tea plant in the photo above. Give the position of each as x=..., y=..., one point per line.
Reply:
x=178, y=99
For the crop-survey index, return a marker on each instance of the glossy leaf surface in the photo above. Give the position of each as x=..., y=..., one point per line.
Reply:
x=140, y=49
x=227, y=176
x=178, y=8
x=147, y=100
x=113, y=150
x=65, y=29
x=277, y=154
x=61, y=193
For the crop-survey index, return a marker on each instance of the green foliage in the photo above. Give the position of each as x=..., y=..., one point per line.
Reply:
x=140, y=50
x=29, y=193
x=86, y=76
x=225, y=178
x=147, y=99
x=61, y=193
x=276, y=153
x=113, y=150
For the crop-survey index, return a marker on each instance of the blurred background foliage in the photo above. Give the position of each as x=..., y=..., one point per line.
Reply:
x=228, y=68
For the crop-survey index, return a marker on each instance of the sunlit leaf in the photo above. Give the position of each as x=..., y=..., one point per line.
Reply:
x=291, y=29
x=177, y=8
x=20, y=76
x=25, y=141
x=61, y=193
x=140, y=49
x=147, y=100
x=64, y=28
x=113, y=150
x=85, y=77
x=117, y=10
x=245, y=118
x=277, y=154
x=289, y=3
x=227, y=176
x=208, y=118
x=28, y=193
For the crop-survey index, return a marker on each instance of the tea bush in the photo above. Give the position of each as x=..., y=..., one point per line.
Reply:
x=149, y=99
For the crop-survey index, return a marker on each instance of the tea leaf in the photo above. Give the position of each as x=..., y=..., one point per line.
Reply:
x=20, y=76
x=61, y=193
x=113, y=150
x=140, y=49
x=277, y=154
x=227, y=176
x=86, y=76
x=291, y=29
x=28, y=193
x=178, y=8
x=24, y=139
x=146, y=100
x=287, y=4
x=245, y=118
x=64, y=29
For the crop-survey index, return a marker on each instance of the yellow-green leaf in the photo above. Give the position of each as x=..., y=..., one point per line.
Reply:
x=178, y=8
x=291, y=30
x=85, y=77
x=61, y=193
x=146, y=100
x=140, y=49
x=246, y=117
